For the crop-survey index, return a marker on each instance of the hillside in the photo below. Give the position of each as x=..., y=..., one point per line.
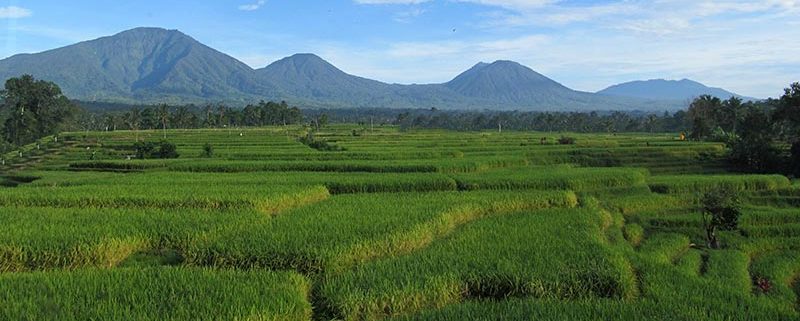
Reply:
x=142, y=64
x=153, y=65
x=683, y=89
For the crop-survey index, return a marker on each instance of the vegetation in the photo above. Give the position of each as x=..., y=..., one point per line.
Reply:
x=763, y=136
x=721, y=210
x=397, y=224
x=145, y=150
x=32, y=109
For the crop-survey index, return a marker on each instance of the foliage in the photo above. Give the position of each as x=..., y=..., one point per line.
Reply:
x=795, y=158
x=163, y=149
x=721, y=209
x=136, y=117
x=167, y=150
x=144, y=150
x=208, y=150
x=143, y=294
x=417, y=224
x=318, y=144
x=708, y=113
x=565, y=140
x=34, y=109
x=755, y=149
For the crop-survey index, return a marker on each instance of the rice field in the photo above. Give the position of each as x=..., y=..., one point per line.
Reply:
x=388, y=225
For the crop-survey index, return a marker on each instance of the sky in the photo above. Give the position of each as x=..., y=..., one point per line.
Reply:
x=748, y=47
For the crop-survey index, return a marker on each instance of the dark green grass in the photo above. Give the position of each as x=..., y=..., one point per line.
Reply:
x=154, y=294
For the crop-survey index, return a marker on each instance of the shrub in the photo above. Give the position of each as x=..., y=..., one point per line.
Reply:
x=795, y=161
x=167, y=150
x=720, y=135
x=208, y=150
x=320, y=144
x=721, y=210
x=564, y=140
x=144, y=150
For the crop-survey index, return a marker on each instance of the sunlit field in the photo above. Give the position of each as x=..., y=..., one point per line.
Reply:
x=389, y=225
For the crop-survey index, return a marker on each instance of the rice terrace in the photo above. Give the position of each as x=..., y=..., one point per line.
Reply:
x=424, y=224
x=147, y=176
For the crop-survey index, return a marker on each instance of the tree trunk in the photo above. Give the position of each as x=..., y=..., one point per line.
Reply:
x=711, y=236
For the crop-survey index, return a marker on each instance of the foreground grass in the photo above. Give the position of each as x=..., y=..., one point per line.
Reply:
x=430, y=225
x=154, y=294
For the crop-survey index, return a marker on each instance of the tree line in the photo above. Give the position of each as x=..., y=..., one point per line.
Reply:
x=583, y=122
x=763, y=136
x=32, y=109
x=191, y=116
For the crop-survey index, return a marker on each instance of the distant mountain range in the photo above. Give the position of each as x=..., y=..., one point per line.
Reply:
x=660, y=89
x=153, y=65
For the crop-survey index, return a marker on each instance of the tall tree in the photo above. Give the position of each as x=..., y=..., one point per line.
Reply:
x=788, y=111
x=703, y=112
x=721, y=209
x=182, y=118
x=134, y=120
x=163, y=118
x=35, y=108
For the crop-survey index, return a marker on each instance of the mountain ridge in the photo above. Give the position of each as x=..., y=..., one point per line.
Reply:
x=664, y=88
x=154, y=65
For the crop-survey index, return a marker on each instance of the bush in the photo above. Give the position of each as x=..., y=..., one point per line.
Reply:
x=721, y=209
x=208, y=151
x=320, y=144
x=795, y=160
x=564, y=140
x=168, y=150
x=720, y=135
x=145, y=150
x=755, y=156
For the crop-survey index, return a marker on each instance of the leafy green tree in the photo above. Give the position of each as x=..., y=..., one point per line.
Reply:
x=789, y=106
x=167, y=150
x=183, y=118
x=133, y=119
x=703, y=113
x=209, y=121
x=731, y=114
x=34, y=109
x=163, y=118
x=721, y=209
x=788, y=111
x=149, y=118
x=221, y=120
x=755, y=148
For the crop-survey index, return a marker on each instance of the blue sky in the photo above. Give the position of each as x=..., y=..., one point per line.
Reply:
x=750, y=47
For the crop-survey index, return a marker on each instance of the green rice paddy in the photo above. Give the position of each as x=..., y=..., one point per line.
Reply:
x=393, y=225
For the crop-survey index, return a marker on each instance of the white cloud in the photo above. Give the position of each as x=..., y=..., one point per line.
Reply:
x=656, y=17
x=14, y=12
x=252, y=6
x=514, y=4
x=409, y=15
x=390, y=1
x=491, y=50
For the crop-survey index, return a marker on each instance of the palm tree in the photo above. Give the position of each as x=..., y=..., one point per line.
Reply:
x=134, y=120
x=163, y=116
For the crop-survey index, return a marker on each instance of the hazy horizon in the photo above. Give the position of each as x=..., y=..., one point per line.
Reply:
x=585, y=45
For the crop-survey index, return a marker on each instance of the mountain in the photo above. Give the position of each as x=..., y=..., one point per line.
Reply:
x=513, y=86
x=505, y=81
x=312, y=79
x=683, y=89
x=154, y=65
x=140, y=64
